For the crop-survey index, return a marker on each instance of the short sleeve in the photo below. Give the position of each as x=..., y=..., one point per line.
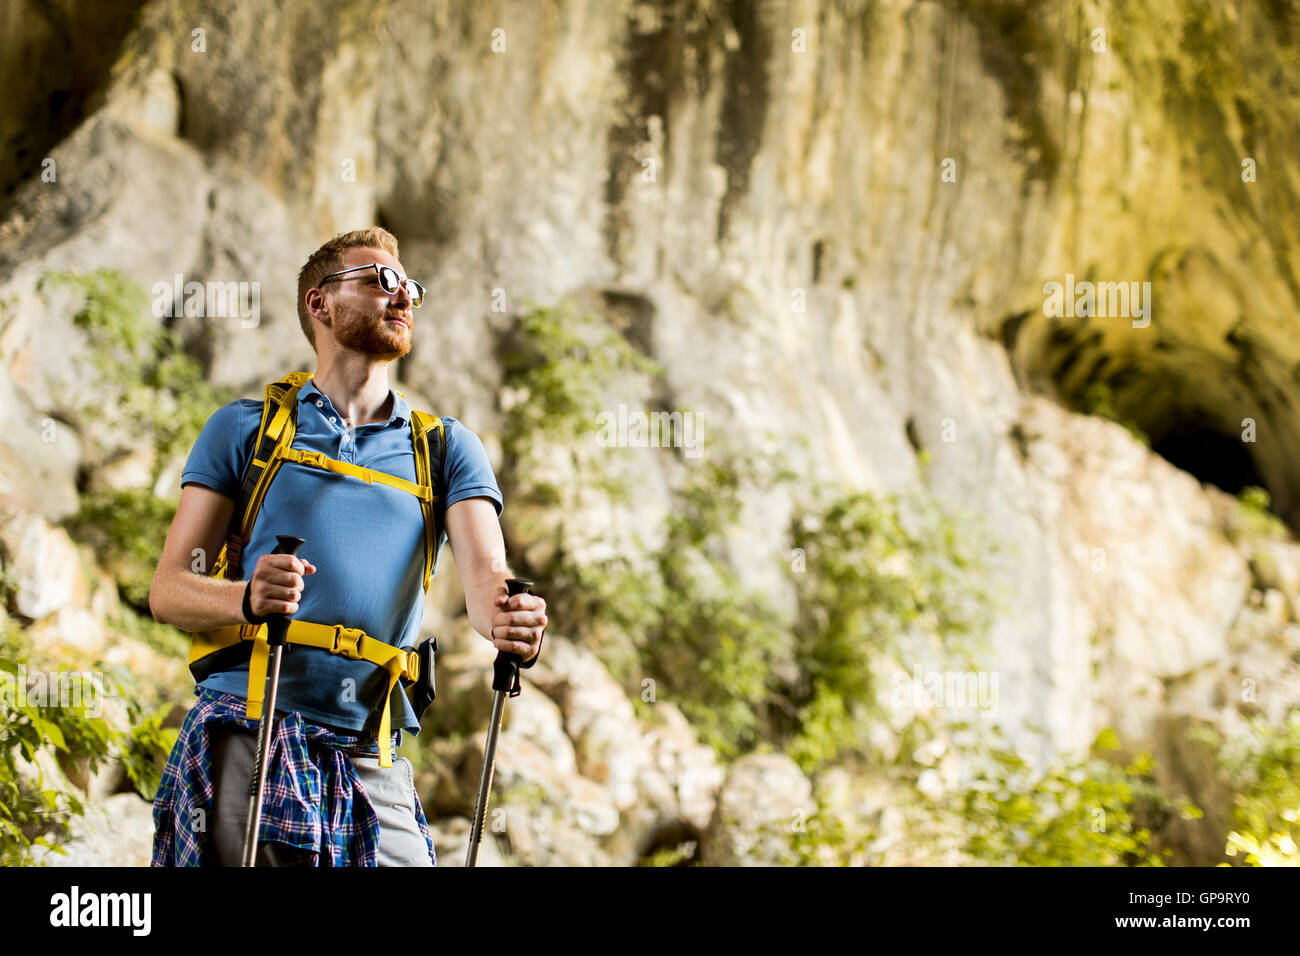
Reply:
x=220, y=453
x=467, y=469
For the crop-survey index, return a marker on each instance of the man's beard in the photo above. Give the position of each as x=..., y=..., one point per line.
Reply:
x=372, y=335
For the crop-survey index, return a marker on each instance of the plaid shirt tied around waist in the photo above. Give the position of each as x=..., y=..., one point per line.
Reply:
x=314, y=797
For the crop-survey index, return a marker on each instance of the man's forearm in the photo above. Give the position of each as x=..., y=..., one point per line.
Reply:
x=479, y=594
x=197, y=602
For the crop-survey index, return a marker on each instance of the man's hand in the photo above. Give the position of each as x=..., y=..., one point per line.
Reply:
x=277, y=584
x=518, y=623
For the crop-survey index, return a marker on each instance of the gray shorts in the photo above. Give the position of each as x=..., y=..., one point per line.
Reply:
x=391, y=793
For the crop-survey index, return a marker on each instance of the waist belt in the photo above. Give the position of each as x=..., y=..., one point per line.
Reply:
x=351, y=642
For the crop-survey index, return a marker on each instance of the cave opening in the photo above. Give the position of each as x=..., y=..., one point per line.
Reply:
x=1185, y=400
x=1211, y=456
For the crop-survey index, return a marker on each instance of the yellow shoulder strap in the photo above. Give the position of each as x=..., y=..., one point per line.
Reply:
x=275, y=431
x=428, y=474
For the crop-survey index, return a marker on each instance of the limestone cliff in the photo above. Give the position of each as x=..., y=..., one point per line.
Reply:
x=835, y=220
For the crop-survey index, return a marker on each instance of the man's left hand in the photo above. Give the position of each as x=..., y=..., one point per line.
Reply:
x=518, y=623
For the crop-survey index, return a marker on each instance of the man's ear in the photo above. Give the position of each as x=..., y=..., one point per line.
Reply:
x=315, y=302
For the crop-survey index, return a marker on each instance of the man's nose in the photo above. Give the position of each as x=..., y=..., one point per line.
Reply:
x=402, y=296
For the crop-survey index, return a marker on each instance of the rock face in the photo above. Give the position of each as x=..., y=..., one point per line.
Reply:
x=830, y=220
x=580, y=779
x=764, y=798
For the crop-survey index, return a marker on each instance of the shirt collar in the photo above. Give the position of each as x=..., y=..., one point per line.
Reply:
x=401, y=407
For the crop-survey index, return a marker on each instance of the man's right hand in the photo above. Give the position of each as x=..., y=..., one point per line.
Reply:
x=277, y=584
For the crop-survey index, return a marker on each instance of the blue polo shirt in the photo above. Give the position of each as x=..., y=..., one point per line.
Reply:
x=366, y=541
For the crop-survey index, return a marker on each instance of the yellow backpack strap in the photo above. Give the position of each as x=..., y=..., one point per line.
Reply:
x=352, y=643
x=430, y=452
x=274, y=436
x=276, y=430
x=317, y=459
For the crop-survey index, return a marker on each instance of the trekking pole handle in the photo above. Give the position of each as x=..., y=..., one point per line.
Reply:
x=277, y=625
x=505, y=669
x=277, y=628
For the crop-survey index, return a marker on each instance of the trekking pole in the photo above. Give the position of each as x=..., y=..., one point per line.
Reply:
x=277, y=628
x=505, y=674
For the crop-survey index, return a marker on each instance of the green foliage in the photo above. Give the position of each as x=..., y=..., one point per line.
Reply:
x=170, y=642
x=558, y=365
x=714, y=643
x=1256, y=518
x=140, y=390
x=678, y=614
x=823, y=839
x=145, y=747
x=612, y=605
x=670, y=855
x=684, y=619
x=1076, y=812
x=878, y=568
x=1254, y=498
x=875, y=569
x=31, y=814
x=147, y=392
x=1099, y=400
x=143, y=381
x=1264, y=763
x=679, y=617
x=127, y=529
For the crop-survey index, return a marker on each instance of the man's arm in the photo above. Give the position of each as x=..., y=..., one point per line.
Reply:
x=480, y=553
x=184, y=594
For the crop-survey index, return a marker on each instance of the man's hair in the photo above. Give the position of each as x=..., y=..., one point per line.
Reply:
x=329, y=259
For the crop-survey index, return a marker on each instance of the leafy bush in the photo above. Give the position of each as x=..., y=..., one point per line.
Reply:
x=144, y=381
x=127, y=528
x=1076, y=812
x=1099, y=400
x=824, y=839
x=682, y=618
x=877, y=569
x=144, y=391
x=31, y=814
x=671, y=855
x=715, y=645
x=558, y=364
x=1264, y=764
x=678, y=616
x=1256, y=518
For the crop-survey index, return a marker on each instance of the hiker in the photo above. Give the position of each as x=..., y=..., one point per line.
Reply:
x=373, y=487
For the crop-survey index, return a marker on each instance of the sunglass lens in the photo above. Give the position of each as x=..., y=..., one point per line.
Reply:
x=416, y=292
x=388, y=279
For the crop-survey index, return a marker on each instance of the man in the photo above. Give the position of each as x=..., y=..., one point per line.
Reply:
x=329, y=801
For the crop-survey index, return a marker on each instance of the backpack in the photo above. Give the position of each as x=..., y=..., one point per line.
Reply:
x=218, y=649
x=274, y=447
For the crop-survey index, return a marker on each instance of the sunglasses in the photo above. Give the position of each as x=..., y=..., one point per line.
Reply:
x=389, y=280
